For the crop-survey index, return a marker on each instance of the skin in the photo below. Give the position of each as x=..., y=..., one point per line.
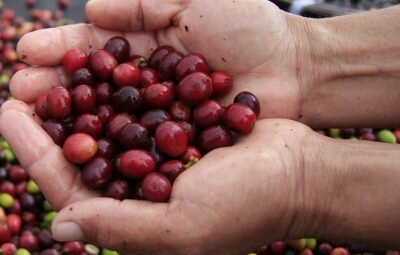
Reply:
x=308, y=184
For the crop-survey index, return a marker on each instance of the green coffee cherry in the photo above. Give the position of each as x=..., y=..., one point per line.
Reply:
x=252, y=253
x=108, y=252
x=4, y=144
x=46, y=206
x=49, y=217
x=386, y=136
x=311, y=243
x=4, y=79
x=6, y=200
x=32, y=187
x=22, y=251
x=91, y=249
x=334, y=133
x=9, y=155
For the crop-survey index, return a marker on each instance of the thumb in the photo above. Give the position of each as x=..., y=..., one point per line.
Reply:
x=133, y=15
x=127, y=226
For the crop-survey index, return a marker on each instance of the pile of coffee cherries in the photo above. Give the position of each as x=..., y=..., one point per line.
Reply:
x=133, y=125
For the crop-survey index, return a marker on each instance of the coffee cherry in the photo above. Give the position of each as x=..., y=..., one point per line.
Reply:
x=82, y=76
x=148, y=76
x=179, y=111
x=117, y=123
x=191, y=153
x=59, y=102
x=104, y=92
x=172, y=169
x=171, y=138
x=136, y=164
x=134, y=136
x=153, y=118
x=89, y=124
x=191, y=63
x=102, y=64
x=158, y=96
x=79, y=148
x=56, y=130
x=41, y=107
x=156, y=187
x=208, y=113
x=222, y=83
x=158, y=54
x=240, y=118
x=119, y=47
x=214, y=137
x=127, y=99
x=126, y=75
x=118, y=189
x=74, y=59
x=97, y=172
x=167, y=65
x=106, y=148
x=104, y=112
x=194, y=88
x=83, y=99
x=250, y=100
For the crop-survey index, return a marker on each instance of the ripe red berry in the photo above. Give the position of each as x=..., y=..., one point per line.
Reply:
x=179, y=111
x=172, y=169
x=14, y=223
x=158, y=96
x=250, y=100
x=134, y=136
x=208, y=113
x=104, y=92
x=148, y=76
x=156, y=187
x=167, y=65
x=97, y=172
x=104, y=112
x=41, y=107
x=17, y=173
x=5, y=233
x=56, y=130
x=194, y=88
x=29, y=242
x=8, y=248
x=83, y=99
x=158, y=54
x=190, y=131
x=222, y=83
x=126, y=75
x=117, y=123
x=8, y=187
x=118, y=189
x=191, y=63
x=73, y=248
x=171, y=138
x=89, y=124
x=119, y=47
x=74, y=59
x=151, y=119
x=79, y=148
x=102, y=64
x=105, y=148
x=59, y=102
x=127, y=99
x=82, y=76
x=214, y=137
x=136, y=164
x=240, y=118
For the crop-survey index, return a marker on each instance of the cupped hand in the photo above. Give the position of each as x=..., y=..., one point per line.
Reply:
x=232, y=201
x=253, y=40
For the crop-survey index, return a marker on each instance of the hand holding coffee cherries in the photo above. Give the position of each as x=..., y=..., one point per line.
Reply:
x=279, y=182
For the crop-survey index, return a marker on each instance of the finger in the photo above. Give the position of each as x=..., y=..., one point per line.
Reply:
x=134, y=15
x=26, y=85
x=20, y=107
x=48, y=46
x=131, y=226
x=44, y=161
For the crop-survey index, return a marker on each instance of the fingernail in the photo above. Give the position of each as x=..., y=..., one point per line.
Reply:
x=67, y=231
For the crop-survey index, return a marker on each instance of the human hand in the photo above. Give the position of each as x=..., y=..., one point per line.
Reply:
x=252, y=40
x=231, y=202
